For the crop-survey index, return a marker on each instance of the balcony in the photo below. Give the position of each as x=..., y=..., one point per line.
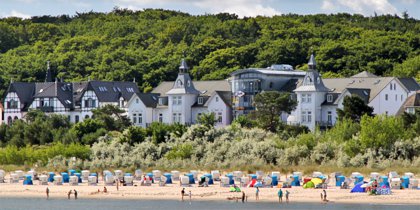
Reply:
x=324, y=124
x=46, y=108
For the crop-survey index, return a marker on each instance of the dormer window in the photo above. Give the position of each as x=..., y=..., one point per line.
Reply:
x=217, y=99
x=329, y=98
x=200, y=100
x=137, y=100
x=160, y=101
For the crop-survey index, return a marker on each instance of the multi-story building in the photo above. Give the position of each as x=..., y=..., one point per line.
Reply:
x=319, y=98
x=246, y=83
x=73, y=99
x=411, y=104
x=182, y=101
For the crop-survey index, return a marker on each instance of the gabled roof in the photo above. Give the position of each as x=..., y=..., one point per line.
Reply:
x=112, y=91
x=183, y=85
x=79, y=89
x=61, y=90
x=410, y=83
x=333, y=102
x=374, y=84
x=362, y=93
x=205, y=99
x=290, y=85
x=226, y=96
x=411, y=101
x=24, y=92
x=205, y=87
x=149, y=99
x=364, y=74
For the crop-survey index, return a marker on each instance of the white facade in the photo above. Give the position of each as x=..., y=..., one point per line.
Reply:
x=12, y=108
x=138, y=112
x=390, y=99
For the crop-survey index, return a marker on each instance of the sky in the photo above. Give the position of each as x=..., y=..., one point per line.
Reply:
x=250, y=8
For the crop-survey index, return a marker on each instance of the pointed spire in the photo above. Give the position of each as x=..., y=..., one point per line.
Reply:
x=183, y=68
x=312, y=62
x=134, y=80
x=48, y=75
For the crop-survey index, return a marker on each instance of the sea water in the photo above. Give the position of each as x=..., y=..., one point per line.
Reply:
x=94, y=204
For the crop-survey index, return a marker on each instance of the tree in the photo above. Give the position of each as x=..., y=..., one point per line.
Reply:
x=207, y=119
x=354, y=108
x=268, y=107
x=112, y=117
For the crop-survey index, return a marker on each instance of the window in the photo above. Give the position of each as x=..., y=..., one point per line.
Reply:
x=90, y=103
x=309, y=100
x=386, y=113
x=329, y=98
x=179, y=117
x=303, y=98
x=200, y=100
x=12, y=104
x=309, y=116
x=160, y=117
x=76, y=118
x=176, y=100
x=174, y=117
x=390, y=87
x=395, y=86
x=303, y=115
x=219, y=117
x=410, y=110
x=140, y=118
x=137, y=100
x=386, y=97
x=217, y=99
x=160, y=101
x=396, y=97
x=9, y=120
x=134, y=118
x=329, y=117
x=179, y=100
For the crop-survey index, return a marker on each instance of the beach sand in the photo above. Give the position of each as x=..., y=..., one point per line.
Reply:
x=211, y=193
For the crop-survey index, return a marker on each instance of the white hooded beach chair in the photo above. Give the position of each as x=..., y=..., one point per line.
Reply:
x=92, y=180
x=85, y=175
x=216, y=175
x=185, y=181
x=43, y=180
x=175, y=175
x=224, y=182
x=58, y=180
x=73, y=181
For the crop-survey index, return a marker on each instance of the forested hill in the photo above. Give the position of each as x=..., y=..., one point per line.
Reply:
x=148, y=45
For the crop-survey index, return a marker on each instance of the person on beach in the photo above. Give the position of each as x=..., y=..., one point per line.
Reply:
x=280, y=194
x=325, y=195
x=47, y=191
x=257, y=194
x=68, y=194
x=105, y=190
x=182, y=194
x=243, y=197
x=118, y=182
x=190, y=197
x=75, y=194
x=287, y=196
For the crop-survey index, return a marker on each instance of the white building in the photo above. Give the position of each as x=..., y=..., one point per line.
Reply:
x=75, y=100
x=319, y=98
x=182, y=101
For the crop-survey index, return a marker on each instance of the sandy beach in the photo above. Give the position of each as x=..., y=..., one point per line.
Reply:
x=211, y=193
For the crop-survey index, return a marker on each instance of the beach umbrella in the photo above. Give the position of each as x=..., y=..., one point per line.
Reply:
x=316, y=181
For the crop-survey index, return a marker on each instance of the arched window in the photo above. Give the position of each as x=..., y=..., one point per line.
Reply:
x=76, y=118
x=15, y=118
x=87, y=117
x=9, y=120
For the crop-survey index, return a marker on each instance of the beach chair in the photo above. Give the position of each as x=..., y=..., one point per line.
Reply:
x=14, y=178
x=277, y=174
x=414, y=184
x=73, y=181
x=216, y=175
x=162, y=181
x=58, y=180
x=92, y=180
x=195, y=174
x=175, y=175
x=244, y=181
x=374, y=176
x=260, y=175
x=138, y=174
x=128, y=180
x=20, y=174
x=409, y=175
x=119, y=174
x=237, y=176
x=299, y=174
x=43, y=180
x=395, y=183
x=109, y=180
x=393, y=174
x=2, y=176
x=85, y=175
x=184, y=181
x=224, y=182
x=156, y=175
x=267, y=181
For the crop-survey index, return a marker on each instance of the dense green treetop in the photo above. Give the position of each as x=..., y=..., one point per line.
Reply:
x=147, y=45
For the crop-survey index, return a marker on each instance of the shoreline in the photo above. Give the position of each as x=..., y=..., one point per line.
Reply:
x=214, y=193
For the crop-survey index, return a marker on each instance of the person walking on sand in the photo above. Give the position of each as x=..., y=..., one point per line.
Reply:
x=257, y=194
x=190, y=197
x=182, y=194
x=75, y=194
x=243, y=197
x=47, y=191
x=280, y=194
x=68, y=194
x=287, y=196
x=325, y=195
x=118, y=182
